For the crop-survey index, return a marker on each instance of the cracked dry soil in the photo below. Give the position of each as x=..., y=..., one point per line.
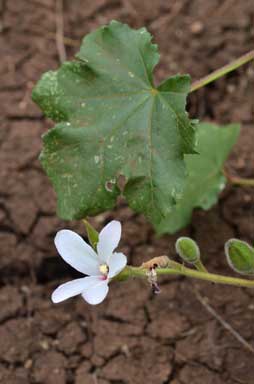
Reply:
x=133, y=337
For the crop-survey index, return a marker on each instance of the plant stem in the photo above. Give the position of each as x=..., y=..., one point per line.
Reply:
x=240, y=181
x=200, y=266
x=222, y=71
x=130, y=271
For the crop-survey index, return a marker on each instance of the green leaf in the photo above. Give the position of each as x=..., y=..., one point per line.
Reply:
x=240, y=256
x=112, y=121
x=92, y=234
x=205, y=177
x=188, y=250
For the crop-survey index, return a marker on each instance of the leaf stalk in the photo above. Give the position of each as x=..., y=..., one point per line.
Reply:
x=242, y=182
x=218, y=73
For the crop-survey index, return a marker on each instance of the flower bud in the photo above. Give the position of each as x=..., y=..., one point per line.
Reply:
x=240, y=256
x=188, y=250
x=92, y=234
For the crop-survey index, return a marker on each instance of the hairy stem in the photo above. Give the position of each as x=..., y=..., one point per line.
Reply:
x=130, y=271
x=233, y=65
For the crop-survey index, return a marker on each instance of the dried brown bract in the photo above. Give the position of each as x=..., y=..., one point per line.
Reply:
x=156, y=262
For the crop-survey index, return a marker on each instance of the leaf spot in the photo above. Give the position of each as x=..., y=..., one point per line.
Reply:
x=96, y=159
x=109, y=185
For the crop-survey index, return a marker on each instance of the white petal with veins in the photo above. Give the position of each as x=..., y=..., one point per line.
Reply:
x=109, y=239
x=76, y=252
x=70, y=289
x=116, y=264
x=97, y=292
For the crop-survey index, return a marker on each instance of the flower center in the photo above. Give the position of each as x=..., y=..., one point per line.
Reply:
x=104, y=269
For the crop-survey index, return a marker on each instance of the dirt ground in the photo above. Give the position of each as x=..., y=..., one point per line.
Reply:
x=133, y=337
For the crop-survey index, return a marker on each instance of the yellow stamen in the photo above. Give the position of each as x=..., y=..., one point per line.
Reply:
x=104, y=269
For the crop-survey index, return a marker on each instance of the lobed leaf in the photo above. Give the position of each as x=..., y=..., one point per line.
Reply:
x=113, y=121
x=205, y=175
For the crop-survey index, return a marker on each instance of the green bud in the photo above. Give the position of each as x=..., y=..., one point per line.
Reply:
x=92, y=234
x=240, y=256
x=188, y=250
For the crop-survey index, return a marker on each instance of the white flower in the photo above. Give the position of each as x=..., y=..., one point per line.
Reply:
x=101, y=266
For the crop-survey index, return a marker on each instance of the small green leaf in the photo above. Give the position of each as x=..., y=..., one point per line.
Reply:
x=92, y=234
x=188, y=250
x=240, y=256
x=113, y=121
x=205, y=177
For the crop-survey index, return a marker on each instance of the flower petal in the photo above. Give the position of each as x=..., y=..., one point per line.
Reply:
x=97, y=291
x=109, y=239
x=76, y=252
x=117, y=263
x=70, y=289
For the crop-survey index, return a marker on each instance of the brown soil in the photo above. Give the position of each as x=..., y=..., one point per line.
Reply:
x=133, y=337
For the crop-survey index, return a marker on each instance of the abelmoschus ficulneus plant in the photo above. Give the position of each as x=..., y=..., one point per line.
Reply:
x=112, y=122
